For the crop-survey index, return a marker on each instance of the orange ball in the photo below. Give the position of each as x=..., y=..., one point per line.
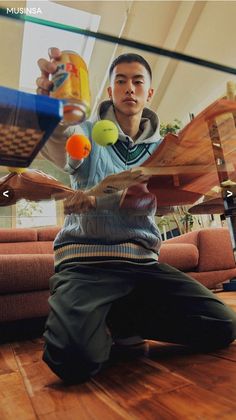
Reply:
x=78, y=146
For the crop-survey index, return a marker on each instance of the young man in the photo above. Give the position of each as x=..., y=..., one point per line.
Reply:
x=108, y=283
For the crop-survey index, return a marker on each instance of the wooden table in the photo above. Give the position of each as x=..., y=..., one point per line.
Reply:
x=202, y=156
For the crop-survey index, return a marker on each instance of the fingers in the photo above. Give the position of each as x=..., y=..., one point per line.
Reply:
x=127, y=179
x=79, y=203
x=142, y=178
x=46, y=66
x=54, y=53
x=44, y=85
x=117, y=182
x=62, y=195
x=82, y=207
x=137, y=176
x=40, y=91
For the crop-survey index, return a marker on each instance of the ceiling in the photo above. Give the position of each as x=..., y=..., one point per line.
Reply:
x=204, y=29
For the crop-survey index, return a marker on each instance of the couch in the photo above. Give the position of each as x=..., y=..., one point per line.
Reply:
x=26, y=264
x=206, y=255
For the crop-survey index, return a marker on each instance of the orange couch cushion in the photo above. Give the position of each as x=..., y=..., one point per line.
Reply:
x=23, y=273
x=18, y=235
x=26, y=248
x=47, y=234
x=182, y=256
x=27, y=241
x=215, y=250
x=24, y=305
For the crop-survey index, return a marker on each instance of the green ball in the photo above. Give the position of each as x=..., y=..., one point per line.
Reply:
x=105, y=133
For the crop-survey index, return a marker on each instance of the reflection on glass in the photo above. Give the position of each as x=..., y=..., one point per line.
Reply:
x=182, y=90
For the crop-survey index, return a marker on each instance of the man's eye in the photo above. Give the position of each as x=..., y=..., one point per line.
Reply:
x=120, y=81
x=138, y=82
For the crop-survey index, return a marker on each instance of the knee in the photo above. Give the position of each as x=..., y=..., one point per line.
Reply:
x=215, y=333
x=74, y=354
x=70, y=364
x=228, y=332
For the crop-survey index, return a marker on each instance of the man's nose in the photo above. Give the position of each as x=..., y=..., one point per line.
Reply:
x=129, y=88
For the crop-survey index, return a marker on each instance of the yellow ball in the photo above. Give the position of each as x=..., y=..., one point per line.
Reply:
x=16, y=170
x=105, y=133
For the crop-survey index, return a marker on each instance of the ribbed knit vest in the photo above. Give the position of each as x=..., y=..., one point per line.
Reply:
x=111, y=232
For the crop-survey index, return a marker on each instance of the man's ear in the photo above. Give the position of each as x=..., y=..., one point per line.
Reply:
x=109, y=91
x=150, y=94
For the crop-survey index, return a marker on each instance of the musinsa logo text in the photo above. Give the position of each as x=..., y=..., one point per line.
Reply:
x=24, y=10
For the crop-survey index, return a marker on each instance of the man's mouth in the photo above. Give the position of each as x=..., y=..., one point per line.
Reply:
x=130, y=100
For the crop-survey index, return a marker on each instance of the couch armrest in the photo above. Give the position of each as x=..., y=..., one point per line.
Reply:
x=184, y=257
x=186, y=238
x=214, y=246
x=215, y=250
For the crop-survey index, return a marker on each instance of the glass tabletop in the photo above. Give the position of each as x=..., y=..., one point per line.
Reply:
x=190, y=48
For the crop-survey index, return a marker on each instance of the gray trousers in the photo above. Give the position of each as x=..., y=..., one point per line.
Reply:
x=92, y=303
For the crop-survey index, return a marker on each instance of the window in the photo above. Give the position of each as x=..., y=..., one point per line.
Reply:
x=36, y=41
x=37, y=38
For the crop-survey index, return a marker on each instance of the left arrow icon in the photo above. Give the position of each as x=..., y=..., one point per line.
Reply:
x=7, y=196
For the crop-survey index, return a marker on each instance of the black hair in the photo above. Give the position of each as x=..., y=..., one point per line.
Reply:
x=130, y=58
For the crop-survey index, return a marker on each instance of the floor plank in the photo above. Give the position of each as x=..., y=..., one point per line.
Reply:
x=228, y=353
x=193, y=402
x=52, y=400
x=229, y=298
x=136, y=385
x=7, y=360
x=149, y=389
x=14, y=400
x=205, y=370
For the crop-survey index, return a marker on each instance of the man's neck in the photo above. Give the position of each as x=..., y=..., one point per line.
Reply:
x=130, y=125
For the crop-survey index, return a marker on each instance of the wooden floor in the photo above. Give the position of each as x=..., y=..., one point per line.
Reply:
x=157, y=381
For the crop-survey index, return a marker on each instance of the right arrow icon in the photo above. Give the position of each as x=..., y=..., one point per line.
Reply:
x=229, y=193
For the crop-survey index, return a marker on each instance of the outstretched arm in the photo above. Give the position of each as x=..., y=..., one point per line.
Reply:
x=54, y=149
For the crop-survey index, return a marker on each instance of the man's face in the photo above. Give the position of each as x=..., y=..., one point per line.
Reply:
x=130, y=88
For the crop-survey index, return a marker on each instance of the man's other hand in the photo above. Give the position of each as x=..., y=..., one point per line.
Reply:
x=79, y=202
